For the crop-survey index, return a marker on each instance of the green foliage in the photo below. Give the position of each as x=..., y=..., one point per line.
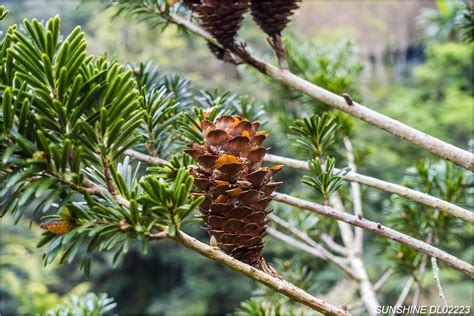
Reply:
x=465, y=22
x=248, y=109
x=169, y=201
x=66, y=121
x=315, y=134
x=27, y=286
x=323, y=178
x=439, y=24
x=172, y=167
x=154, y=12
x=89, y=304
x=440, y=179
x=3, y=12
x=333, y=68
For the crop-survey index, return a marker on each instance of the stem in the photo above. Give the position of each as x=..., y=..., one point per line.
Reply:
x=404, y=294
x=410, y=194
x=381, y=230
x=356, y=196
x=109, y=181
x=334, y=246
x=146, y=158
x=433, y=145
x=438, y=281
x=281, y=286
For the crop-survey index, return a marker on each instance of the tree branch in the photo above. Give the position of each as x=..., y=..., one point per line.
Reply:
x=281, y=286
x=433, y=145
x=410, y=194
x=381, y=230
x=146, y=158
x=356, y=196
x=384, y=278
x=404, y=294
x=334, y=246
x=297, y=232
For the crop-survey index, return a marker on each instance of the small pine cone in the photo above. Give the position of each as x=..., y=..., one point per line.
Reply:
x=236, y=187
x=273, y=16
x=58, y=227
x=222, y=18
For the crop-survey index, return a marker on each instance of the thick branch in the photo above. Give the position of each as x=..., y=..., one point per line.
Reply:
x=433, y=145
x=410, y=194
x=281, y=286
x=381, y=230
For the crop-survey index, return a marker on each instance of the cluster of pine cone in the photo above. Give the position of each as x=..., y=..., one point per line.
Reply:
x=236, y=187
x=223, y=18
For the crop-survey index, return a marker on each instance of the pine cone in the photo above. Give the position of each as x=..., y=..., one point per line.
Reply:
x=222, y=18
x=58, y=227
x=273, y=16
x=236, y=187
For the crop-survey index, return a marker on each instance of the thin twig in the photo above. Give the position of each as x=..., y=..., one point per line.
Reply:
x=433, y=145
x=385, y=186
x=419, y=281
x=356, y=196
x=146, y=158
x=303, y=236
x=404, y=294
x=315, y=251
x=381, y=230
x=438, y=281
x=334, y=246
x=383, y=279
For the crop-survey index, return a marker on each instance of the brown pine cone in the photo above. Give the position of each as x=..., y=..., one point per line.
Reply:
x=273, y=16
x=222, y=18
x=236, y=187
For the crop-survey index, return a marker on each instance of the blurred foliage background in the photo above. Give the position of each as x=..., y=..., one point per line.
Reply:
x=415, y=66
